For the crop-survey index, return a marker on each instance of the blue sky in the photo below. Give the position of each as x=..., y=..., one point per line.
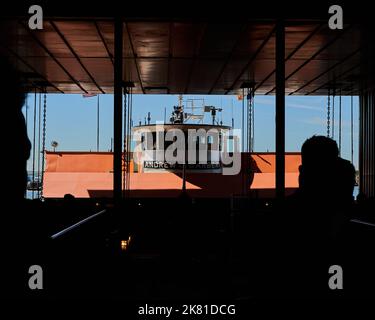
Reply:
x=71, y=119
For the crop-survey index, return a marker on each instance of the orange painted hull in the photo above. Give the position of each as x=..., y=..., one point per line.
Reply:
x=89, y=174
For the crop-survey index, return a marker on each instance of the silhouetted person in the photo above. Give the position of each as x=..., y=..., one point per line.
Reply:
x=309, y=230
x=15, y=143
x=326, y=185
x=69, y=202
x=323, y=174
x=21, y=236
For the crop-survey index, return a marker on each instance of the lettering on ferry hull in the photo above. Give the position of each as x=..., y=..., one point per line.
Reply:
x=168, y=165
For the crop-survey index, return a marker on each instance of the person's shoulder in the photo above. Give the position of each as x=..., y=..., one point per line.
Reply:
x=345, y=167
x=345, y=163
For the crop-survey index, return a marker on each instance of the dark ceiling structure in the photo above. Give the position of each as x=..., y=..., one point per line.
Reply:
x=187, y=47
x=189, y=57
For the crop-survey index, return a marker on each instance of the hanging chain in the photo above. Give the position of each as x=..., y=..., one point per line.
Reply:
x=26, y=109
x=126, y=145
x=328, y=113
x=249, y=120
x=130, y=104
x=33, y=145
x=340, y=124
x=253, y=119
x=126, y=131
x=333, y=113
x=43, y=140
x=242, y=121
x=39, y=150
x=124, y=162
x=351, y=126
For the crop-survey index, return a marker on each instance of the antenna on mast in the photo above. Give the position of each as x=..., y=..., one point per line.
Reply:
x=232, y=113
x=178, y=111
x=212, y=110
x=180, y=100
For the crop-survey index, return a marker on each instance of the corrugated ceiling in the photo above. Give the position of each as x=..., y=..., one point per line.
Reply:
x=73, y=56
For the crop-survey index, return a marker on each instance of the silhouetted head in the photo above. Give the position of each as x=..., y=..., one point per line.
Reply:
x=15, y=143
x=69, y=197
x=319, y=154
x=12, y=92
x=323, y=174
x=319, y=150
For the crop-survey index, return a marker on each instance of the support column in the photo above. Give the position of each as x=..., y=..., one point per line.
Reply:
x=280, y=110
x=367, y=112
x=117, y=112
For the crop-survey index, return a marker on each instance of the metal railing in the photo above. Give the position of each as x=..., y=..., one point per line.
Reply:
x=369, y=224
x=76, y=225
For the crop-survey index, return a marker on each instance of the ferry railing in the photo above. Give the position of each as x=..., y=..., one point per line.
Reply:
x=78, y=225
x=364, y=223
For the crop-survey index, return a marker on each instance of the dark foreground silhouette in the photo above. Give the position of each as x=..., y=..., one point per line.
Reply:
x=184, y=249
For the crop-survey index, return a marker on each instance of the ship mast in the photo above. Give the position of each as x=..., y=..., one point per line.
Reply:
x=180, y=100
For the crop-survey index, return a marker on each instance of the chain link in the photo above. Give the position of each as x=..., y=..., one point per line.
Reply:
x=43, y=140
x=333, y=113
x=124, y=157
x=328, y=114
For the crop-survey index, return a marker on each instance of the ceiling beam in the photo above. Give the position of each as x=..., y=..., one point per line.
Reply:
x=253, y=57
x=328, y=44
x=197, y=48
x=75, y=55
x=18, y=57
x=326, y=71
x=338, y=77
x=103, y=41
x=178, y=58
x=135, y=58
x=290, y=55
x=237, y=42
x=170, y=52
x=53, y=57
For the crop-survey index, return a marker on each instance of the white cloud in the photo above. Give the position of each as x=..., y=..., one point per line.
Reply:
x=323, y=122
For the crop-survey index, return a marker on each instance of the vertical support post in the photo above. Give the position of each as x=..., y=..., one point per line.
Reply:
x=117, y=112
x=340, y=120
x=97, y=125
x=33, y=145
x=333, y=113
x=351, y=128
x=39, y=131
x=184, y=176
x=280, y=110
x=242, y=121
x=361, y=145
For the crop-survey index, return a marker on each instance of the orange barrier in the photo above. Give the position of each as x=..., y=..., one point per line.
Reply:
x=80, y=161
x=86, y=174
